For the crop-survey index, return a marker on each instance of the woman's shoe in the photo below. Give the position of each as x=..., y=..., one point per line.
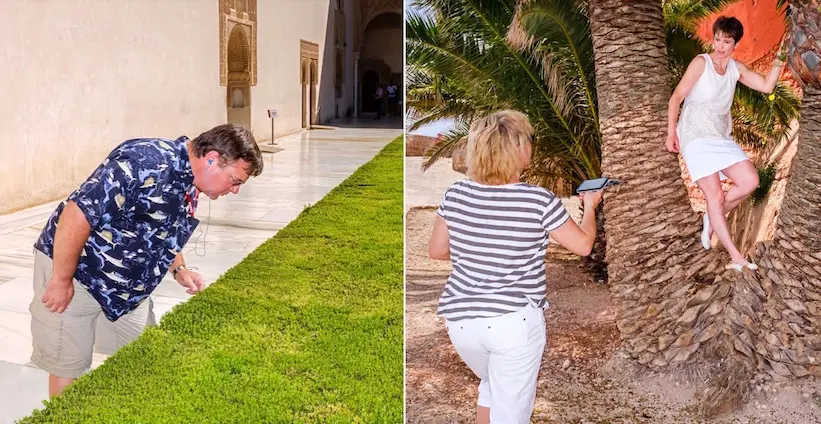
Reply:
x=738, y=267
x=705, y=233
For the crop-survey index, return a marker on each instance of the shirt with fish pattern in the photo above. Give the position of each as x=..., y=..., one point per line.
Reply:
x=136, y=204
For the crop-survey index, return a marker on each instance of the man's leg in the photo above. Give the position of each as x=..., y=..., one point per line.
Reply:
x=62, y=343
x=56, y=385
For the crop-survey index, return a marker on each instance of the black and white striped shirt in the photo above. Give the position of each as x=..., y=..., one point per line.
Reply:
x=498, y=241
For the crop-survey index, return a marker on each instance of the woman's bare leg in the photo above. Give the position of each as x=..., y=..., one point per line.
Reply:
x=745, y=181
x=711, y=187
x=482, y=415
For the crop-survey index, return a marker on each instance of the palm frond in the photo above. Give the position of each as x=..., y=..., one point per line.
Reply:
x=448, y=142
x=757, y=120
x=682, y=47
x=686, y=14
x=558, y=35
x=454, y=111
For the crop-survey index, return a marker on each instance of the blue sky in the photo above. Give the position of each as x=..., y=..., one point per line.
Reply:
x=438, y=127
x=409, y=6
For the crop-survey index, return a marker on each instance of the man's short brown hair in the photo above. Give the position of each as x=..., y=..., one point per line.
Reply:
x=233, y=142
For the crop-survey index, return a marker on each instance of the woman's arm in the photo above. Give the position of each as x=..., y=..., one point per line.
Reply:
x=757, y=82
x=580, y=240
x=691, y=75
x=439, y=247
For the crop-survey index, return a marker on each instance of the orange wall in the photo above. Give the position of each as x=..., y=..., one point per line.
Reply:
x=763, y=28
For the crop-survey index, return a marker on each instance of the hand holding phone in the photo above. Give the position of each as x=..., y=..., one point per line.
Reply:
x=591, y=199
x=596, y=184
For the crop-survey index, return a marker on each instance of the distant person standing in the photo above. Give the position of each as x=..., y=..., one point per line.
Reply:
x=379, y=98
x=393, y=98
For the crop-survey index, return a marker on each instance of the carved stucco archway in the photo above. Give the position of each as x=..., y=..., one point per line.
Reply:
x=370, y=9
x=238, y=97
x=238, y=56
x=308, y=79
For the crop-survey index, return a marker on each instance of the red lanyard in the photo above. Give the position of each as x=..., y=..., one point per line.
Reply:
x=191, y=208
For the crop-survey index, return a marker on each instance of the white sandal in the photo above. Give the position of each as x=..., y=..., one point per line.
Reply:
x=705, y=233
x=738, y=267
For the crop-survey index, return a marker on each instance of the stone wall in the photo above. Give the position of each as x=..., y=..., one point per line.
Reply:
x=80, y=77
x=417, y=145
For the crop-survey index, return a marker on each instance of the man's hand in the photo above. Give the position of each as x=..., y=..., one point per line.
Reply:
x=58, y=294
x=190, y=280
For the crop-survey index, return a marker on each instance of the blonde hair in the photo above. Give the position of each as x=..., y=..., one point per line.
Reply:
x=495, y=145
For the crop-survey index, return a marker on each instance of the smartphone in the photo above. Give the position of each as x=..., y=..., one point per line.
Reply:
x=596, y=184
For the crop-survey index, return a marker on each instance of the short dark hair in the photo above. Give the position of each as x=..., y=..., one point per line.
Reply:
x=233, y=142
x=730, y=26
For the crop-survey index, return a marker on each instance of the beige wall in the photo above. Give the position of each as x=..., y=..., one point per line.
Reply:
x=281, y=24
x=81, y=76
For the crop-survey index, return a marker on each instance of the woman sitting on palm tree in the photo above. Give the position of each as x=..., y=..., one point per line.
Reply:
x=703, y=131
x=494, y=229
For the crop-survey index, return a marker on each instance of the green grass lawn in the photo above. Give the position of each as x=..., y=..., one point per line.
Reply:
x=307, y=328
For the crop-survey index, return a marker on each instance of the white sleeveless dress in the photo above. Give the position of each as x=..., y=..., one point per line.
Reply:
x=705, y=123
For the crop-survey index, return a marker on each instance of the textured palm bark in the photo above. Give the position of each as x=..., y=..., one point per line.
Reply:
x=595, y=263
x=653, y=252
x=784, y=336
x=774, y=316
x=672, y=295
x=676, y=304
x=805, y=42
x=788, y=339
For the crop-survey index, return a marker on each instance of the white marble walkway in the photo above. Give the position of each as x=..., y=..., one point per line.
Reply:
x=309, y=166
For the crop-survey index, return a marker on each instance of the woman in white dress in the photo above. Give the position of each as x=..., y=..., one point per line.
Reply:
x=703, y=131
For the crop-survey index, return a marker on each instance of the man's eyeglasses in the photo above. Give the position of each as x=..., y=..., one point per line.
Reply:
x=234, y=181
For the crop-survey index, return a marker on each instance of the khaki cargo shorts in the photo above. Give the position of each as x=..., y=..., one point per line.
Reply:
x=63, y=343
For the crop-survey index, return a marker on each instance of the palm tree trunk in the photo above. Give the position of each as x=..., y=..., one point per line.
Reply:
x=789, y=337
x=671, y=294
x=652, y=250
x=787, y=340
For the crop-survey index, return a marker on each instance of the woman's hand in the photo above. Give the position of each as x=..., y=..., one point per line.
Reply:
x=783, y=49
x=591, y=199
x=579, y=238
x=672, y=142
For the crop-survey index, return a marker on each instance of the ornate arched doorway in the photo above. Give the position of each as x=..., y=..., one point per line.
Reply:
x=238, y=57
x=238, y=94
x=369, y=82
x=308, y=64
x=381, y=55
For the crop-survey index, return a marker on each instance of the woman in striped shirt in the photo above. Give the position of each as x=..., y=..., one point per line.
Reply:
x=494, y=230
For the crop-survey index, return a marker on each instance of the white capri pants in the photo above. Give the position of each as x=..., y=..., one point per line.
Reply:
x=505, y=352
